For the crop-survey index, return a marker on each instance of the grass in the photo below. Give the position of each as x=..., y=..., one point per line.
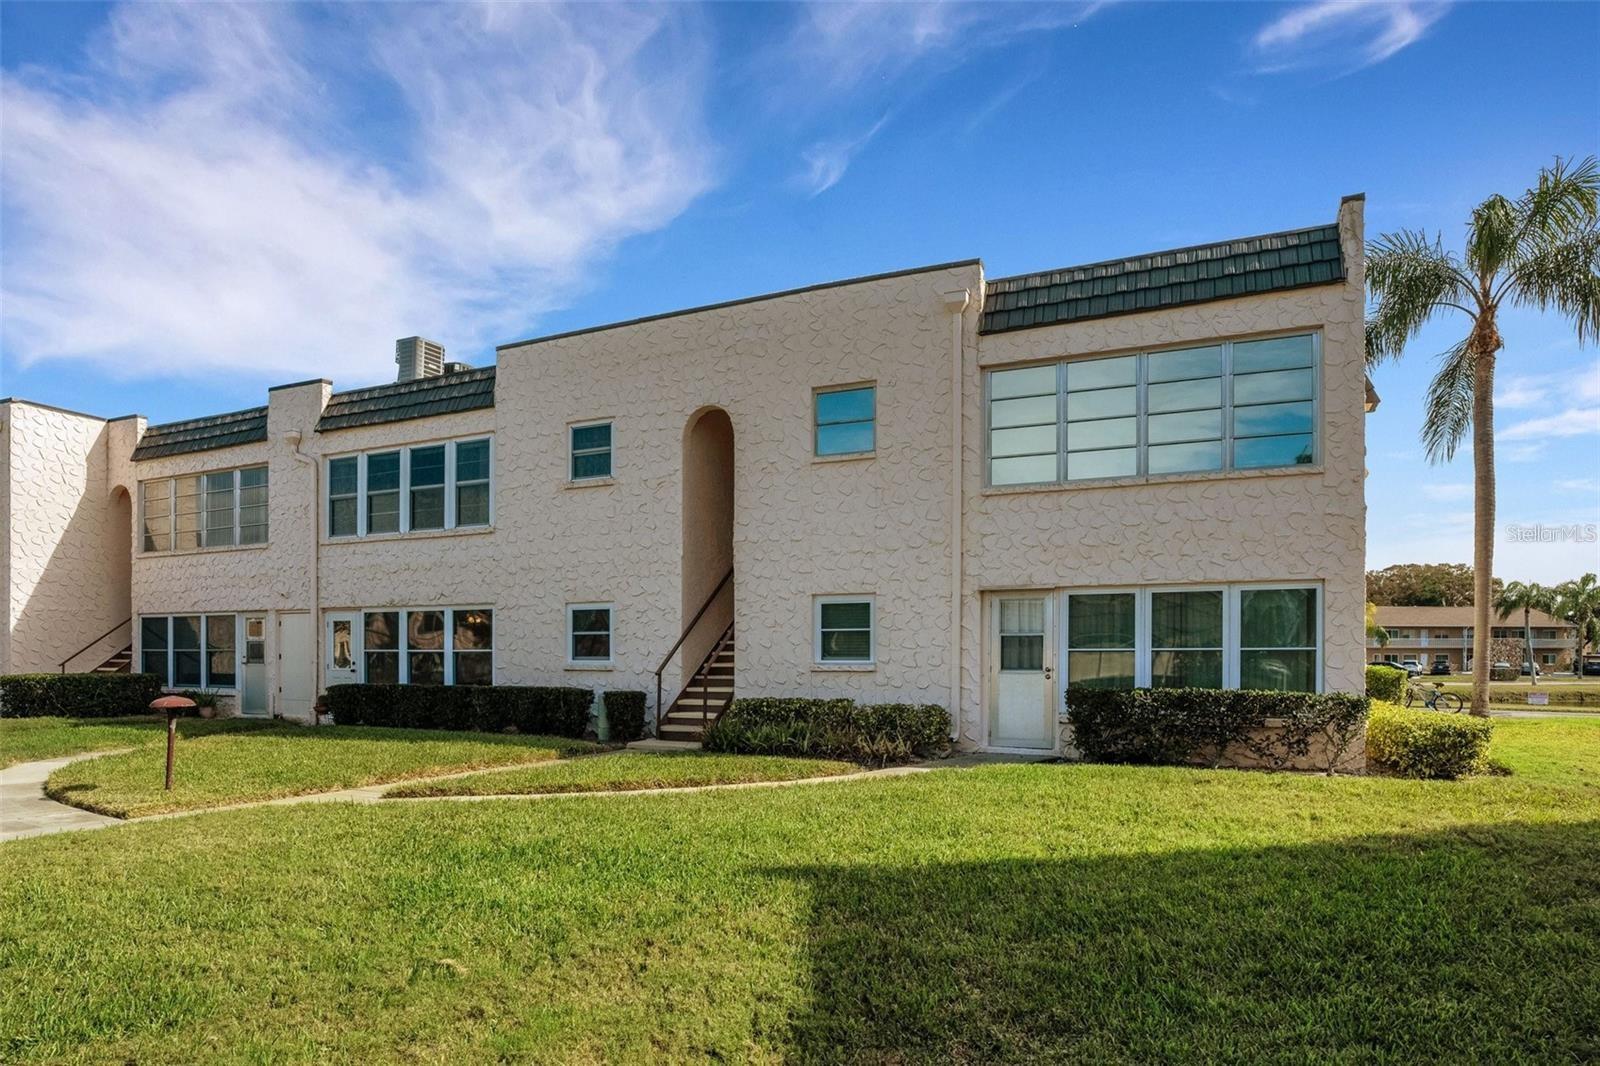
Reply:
x=1006, y=913
x=285, y=760
x=28, y=739
x=629, y=771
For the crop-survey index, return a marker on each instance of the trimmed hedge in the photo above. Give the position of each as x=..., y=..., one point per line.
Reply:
x=624, y=714
x=1432, y=744
x=1188, y=725
x=545, y=711
x=837, y=729
x=1386, y=683
x=77, y=695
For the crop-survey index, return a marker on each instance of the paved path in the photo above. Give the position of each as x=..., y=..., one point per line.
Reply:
x=26, y=812
x=1534, y=712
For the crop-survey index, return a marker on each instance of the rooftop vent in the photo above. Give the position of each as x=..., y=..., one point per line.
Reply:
x=418, y=358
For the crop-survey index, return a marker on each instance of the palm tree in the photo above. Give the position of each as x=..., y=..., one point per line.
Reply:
x=1578, y=602
x=1526, y=597
x=1376, y=633
x=1541, y=250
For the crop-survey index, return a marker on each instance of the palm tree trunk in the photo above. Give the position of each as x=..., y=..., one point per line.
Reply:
x=1527, y=645
x=1482, y=523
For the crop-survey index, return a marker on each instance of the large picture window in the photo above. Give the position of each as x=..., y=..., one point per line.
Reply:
x=420, y=489
x=1235, y=405
x=190, y=650
x=221, y=509
x=428, y=646
x=1230, y=636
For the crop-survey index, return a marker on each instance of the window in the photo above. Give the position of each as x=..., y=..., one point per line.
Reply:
x=589, y=632
x=190, y=651
x=422, y=646
x=1239, y=636
x=216, y=510
x=591, y=451
x=846, y=420
x=1236, y=405
x=1547, y=659
x=473, y=647
x=425, y=647
x=381, y=641
x=423, y=488
x=845, y=629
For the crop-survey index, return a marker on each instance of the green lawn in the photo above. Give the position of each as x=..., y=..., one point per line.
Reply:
x=27, y=739
x=629, y=771
x=1007, y=913
x=286, y=760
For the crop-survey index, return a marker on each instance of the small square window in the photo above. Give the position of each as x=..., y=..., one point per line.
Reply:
x=591, y=451
x=845, y=629
x=589, y=632
x=846, y=421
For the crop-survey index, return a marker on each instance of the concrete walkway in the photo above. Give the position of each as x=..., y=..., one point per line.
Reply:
x=25, y=811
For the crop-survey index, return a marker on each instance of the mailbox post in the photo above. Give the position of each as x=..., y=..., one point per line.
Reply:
x=172, y=705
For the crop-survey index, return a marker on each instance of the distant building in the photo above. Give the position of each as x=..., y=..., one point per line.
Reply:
x=1434, y=634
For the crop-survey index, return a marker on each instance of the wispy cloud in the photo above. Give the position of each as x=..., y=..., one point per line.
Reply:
x=1536, y=390
x=201, y=200
x=1342, y=34
x=1579, y=484
x=1448, y=492
x=1572, y=422
x=826, y=161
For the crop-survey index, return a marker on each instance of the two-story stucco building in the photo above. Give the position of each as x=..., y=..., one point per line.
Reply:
x=1441, y=637
x=927, y=486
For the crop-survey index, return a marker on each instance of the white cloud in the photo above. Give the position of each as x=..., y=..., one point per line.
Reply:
x=1579, y=484
x=201, y=201
x=1534, y=390
x=1342, y=34
x=1573, y=422
x=826, y=161
x=1448, y=491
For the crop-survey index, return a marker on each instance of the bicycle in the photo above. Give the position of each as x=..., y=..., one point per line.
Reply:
x=1436, y=700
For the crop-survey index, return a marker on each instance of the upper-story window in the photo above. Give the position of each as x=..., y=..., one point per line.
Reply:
x=1236, y=405
x=590, y=448
x=846, y=420
x=220, y=509
x=411, y=490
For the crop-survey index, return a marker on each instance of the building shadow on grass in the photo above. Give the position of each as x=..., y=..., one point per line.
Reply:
x=1480, y=944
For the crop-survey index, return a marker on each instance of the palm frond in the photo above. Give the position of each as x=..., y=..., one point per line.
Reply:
x=1410, y=279
x=1563, y=276
x=1449, y=405
x=1492, y=236
x=1566, y=198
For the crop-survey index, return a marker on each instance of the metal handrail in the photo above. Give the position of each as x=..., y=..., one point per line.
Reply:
x=125, y=622
x=704, y=607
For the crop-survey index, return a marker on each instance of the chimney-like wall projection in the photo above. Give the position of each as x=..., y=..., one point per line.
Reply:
x=418, y=357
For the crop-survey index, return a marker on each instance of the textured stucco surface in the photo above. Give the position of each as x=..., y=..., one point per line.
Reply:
x=66, y=567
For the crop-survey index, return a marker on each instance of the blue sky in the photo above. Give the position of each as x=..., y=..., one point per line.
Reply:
x=201, y=201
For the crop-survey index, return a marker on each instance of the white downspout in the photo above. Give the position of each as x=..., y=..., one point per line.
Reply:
x=956, y=304
x=292, y=439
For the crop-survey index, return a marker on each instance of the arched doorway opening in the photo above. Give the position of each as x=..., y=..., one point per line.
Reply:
x=708, y=502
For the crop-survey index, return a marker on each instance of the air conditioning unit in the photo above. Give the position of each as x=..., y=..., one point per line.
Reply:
x=418, y=357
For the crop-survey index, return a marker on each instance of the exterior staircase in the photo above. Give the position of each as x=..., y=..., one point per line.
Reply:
x=704, y=698
x=119, y=663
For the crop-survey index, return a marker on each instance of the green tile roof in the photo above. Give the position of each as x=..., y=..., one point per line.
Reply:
x=1161, y=280
x=203, y=434
x=465, y=390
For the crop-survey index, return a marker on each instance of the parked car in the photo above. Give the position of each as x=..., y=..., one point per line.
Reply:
x=1440, y=668
x=1536, y=671
x=1591, y=666
x=1411, y=667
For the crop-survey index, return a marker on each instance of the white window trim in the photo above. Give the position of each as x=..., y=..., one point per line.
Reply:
x=167, y=682
x=611, y=635
x=816, y=426
x=1231, y=630
x=573, y=452
x=449, y=487
x=817, y=603
x=172, y=511
x=1141, y=415
x=358, y=639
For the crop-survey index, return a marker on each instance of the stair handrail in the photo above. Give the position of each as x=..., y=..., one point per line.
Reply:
x=128, y=621
x=704, y=607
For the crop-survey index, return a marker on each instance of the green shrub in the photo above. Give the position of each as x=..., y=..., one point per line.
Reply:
x=1186, y=725
x=77, y=695
x=1386, y=683
x=545, y=711
x=1504, y=673
x=878, y=733
x=624, y=714
x=1427, y=743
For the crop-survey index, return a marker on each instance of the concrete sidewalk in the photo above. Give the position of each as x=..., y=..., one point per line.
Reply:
x=26, y=812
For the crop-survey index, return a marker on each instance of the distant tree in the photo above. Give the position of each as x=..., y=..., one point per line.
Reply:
x=1578, y=602
x=1540, y=251
x=1527, y=597
x=1421, y=585
x=1376, y=633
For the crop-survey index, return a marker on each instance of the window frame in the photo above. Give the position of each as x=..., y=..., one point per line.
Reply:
x=403, y=650
x=1142, y=414
x=205, y=617
x=403, y=524
x=611, y=636
x=573, y=451
x=203, y=478
x=817, y=423
x=817, y=603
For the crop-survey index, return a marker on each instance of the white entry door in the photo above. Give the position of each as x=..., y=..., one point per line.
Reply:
x=340, y=665
x=296, y=666
x=1022, y=660
x=255, y=702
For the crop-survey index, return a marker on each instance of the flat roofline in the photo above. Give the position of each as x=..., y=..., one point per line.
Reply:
x=59, y=410
x=741, y=301
x=297, y=384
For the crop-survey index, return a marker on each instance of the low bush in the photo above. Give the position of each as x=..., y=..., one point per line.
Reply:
x=624, y=715
x=545, y=711
x=879, y=733
x=1386, y=683
x=77, y=695
x=1504, y=673
x=1188, y=725
x=1427, y=743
